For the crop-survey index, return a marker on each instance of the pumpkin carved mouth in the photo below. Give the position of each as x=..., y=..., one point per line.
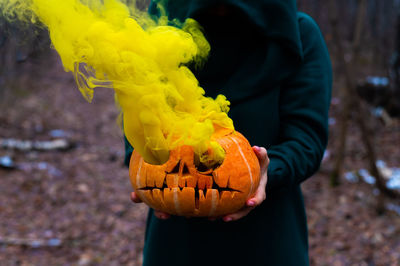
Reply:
x=183, y=187
x=181, y=178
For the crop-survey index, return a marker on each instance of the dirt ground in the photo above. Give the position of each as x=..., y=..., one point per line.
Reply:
x=77, y=201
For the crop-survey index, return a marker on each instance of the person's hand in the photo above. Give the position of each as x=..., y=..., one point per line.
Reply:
x=259, y=197
x=158, y=214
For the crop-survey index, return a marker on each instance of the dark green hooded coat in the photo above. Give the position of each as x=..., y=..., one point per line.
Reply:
x=271, y=62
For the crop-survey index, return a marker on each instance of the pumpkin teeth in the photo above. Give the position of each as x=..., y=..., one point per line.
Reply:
x=160, y=182
x=188, y=181
x=172, y=180
x=189, y=189
x=201, y=182
x=204, y=181
x=194, y=200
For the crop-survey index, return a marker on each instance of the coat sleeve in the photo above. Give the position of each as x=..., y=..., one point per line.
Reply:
x=304, y=106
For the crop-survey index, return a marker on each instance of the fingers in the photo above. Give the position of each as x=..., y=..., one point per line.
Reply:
x=161, y=215
x=251, y=203
x=262, y=156
x=237, y=215
x=135, y=198
x=258, y=198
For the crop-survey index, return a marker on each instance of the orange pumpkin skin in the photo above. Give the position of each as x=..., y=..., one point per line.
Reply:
x=178, y=188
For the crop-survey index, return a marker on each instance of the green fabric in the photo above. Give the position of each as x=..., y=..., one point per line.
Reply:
x=128, y=151
x=274, y=67
x=276, y=19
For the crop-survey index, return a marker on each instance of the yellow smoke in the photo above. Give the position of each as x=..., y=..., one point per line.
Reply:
x=110, y=44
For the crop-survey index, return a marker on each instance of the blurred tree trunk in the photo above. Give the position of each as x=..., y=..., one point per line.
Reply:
x=344, y=94
x=351, y=101
x=395, y=64
x=394, y=102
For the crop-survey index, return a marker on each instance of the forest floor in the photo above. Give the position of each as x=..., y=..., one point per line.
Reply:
x=72, y=207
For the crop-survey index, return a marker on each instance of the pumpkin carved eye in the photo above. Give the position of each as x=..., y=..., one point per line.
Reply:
x=184, y=186
x=203, y=168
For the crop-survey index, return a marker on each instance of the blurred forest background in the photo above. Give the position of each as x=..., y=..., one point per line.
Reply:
x=64, y=192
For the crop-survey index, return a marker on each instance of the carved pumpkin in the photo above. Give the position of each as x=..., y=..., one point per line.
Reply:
x=182, y=187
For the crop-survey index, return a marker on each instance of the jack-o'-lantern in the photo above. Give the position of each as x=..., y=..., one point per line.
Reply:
x=184, y=187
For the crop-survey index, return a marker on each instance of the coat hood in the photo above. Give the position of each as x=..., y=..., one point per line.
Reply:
x=255, y=45
x=275, y=19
